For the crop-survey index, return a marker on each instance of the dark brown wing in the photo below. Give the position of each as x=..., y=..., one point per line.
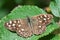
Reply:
x=39, y=23
x=24, y=29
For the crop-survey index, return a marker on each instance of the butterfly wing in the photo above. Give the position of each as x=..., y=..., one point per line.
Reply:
x=20, y=26
x=39, y=23
x=11, y=25
x=24, y=29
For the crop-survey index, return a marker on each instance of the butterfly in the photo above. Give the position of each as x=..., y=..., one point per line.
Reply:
x=29, y=26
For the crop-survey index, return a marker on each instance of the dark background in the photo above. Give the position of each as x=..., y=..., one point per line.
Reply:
x=7, y=5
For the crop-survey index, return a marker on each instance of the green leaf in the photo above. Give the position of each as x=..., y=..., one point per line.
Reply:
x=22, y=12
x=55, y=10
x=58, y=4
x=57, y=37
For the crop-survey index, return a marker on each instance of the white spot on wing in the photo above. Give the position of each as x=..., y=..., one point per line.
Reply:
x=13, y=24
x=40, y=21
x=10, y=22
x=41, y=16
x=18, y=21
x=44, y=18
x=14, y=21
x=45, y=15
x=9, y=25
x=19, y=25
x=22, y=29
x=40, y=26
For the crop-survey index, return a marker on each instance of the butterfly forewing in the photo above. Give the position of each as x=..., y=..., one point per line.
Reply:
x=11, y=25
x=39, y=23
x=37, y=27
x=24, y=29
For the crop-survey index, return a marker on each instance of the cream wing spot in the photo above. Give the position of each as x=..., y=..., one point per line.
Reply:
x=39, y=26
x=19, y=25
x=9, y=26
x=40, y=21
x=14, y=21
x=22, y=29
x=45, y=15
x=18, y=21
x=19, y=31
x=41, y=16
x=44, y=19
x=10, y=22
x=7, y=23
x=13, y=24
x=48, y=18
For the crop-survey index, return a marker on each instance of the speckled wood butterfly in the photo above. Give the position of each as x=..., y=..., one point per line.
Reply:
x=28, y=26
